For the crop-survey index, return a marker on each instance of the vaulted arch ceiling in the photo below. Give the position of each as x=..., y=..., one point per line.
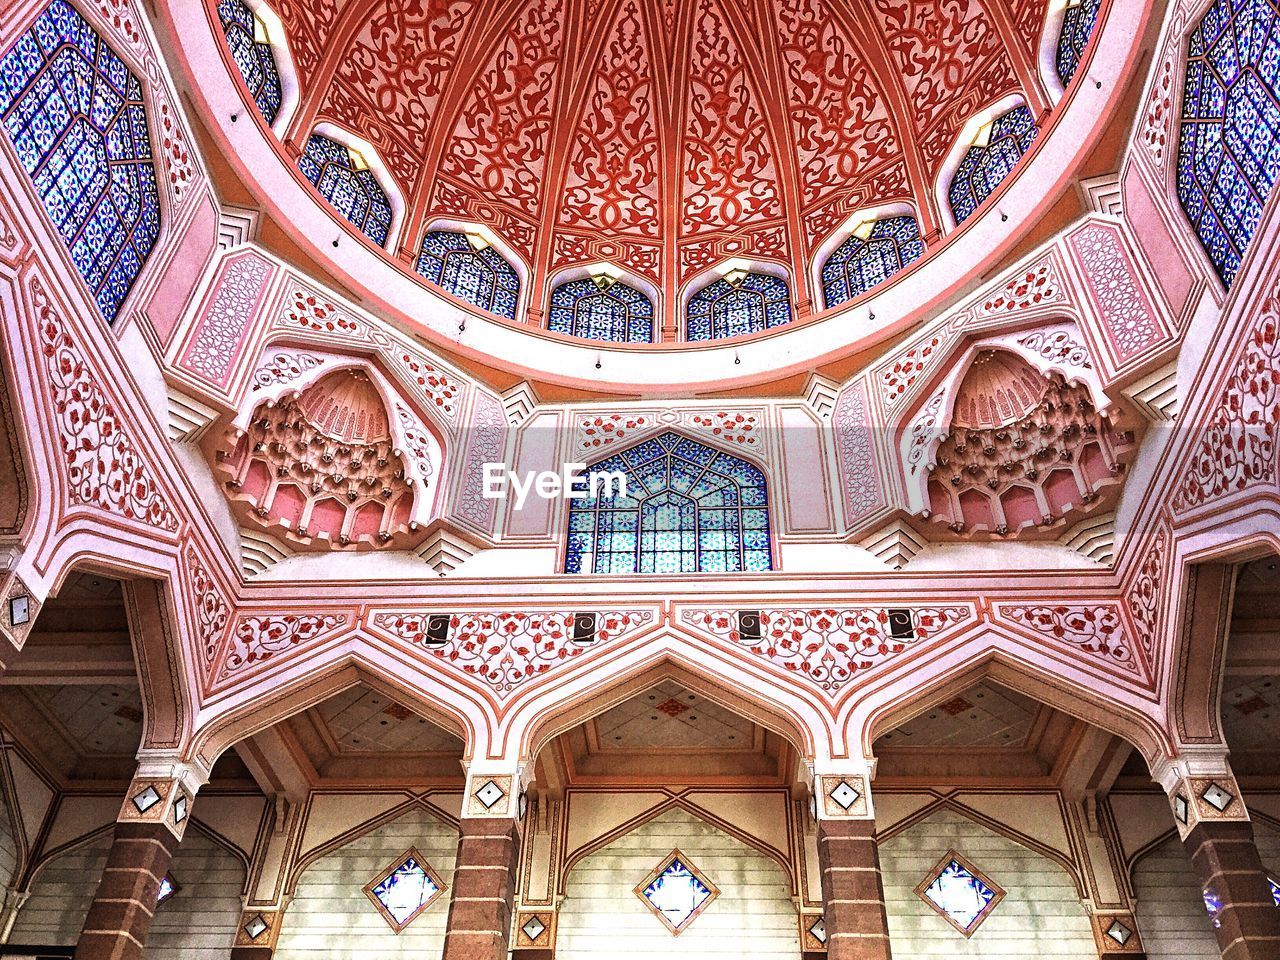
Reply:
x=661, y=136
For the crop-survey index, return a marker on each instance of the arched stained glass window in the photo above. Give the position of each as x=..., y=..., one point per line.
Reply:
x=476, y=273
x=598, y=309
x=993, y=155
x=873, y=254
x=345, y=180
x=1078, y=21
x=736, y=304
x=686, y=508
x=75, y=115
x=247, y=40
x=1229, y=147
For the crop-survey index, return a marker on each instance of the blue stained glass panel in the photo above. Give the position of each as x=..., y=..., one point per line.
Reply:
x=166, y=890
x=958, y=893
x=350, y=188
x=406, y=891
x=253, y=56
x=860, y=263
x=74, y=113
x=1275, y=890
x=687, y=508
x=1229, y=142
x=618, y=313
x=722, y=309
x=982, y=169
x=480, y=277
x=676, y=893
x=1078, y=21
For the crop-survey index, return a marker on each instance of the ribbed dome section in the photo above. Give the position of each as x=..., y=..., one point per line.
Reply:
x=346, y=406
x=999, y=389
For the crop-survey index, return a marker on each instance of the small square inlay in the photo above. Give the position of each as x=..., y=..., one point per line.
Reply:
x=534, y=928
x=19, y=609
x=818, y=930
x=845, y=794
x=1217, y=797
x=256, y=927
x=489, y=794
x=145, y=799
x=1181, y=810
x=1119, y=932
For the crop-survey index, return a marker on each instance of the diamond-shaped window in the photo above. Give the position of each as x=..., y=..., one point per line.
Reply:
x=168, y=887
x=676, y=892
x=1275, y=889
x=960, y=893
x=404, y=890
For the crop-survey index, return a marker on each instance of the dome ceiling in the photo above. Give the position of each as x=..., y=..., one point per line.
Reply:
x=661, y=136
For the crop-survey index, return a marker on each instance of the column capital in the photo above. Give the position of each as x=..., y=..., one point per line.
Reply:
x=496, y=790
x=840, y=789
x=162, y=791
x=1201, y=789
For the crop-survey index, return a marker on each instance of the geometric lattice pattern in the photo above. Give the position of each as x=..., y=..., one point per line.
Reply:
x=342, y=177
x=1078, y=22
x=404, y=890
x=676, y=892
x=731, y=308
x=247, y=40
x=1229, y=145
x=959, y=892
x=872, y=255
x=599, y=310
x=686, y=508
x=479, y=276
x=985, y=164
x=74, y=113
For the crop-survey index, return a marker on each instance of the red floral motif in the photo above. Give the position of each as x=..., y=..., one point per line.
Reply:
x=1058, y=347
x=612, y=180
x=951, y=62
x=1238, y=447
x=104, y=467
x=506, y=650
x=903, y=373
x=308, y=24
x=843, y=133
x=440, y=389
x=1035, y=286
x=211, y=610
x=257, y=639
x=729, y=174
x=1093, y=628
x=1144, y=592
x=118, y=14
x=418, y=443
x=728, y=426
x=500, y=138
x=1159, y=112
x=828, y=647
x=308, y=309
x=600, y=431
x=175, y=148
x=282, y=368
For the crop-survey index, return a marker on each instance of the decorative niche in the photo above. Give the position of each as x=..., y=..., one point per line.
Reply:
x=333, y=460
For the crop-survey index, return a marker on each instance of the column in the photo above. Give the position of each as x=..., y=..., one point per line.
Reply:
x=148, y=829
x=484, y=875
x=853, y=892
x=1218, y=836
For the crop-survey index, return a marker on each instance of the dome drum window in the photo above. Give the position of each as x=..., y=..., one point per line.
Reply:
x=873, y=252
x=991, y=156
x=468, y=266
x=601, y=308
x=739, y=303
x=343, y=177
x=246, y=36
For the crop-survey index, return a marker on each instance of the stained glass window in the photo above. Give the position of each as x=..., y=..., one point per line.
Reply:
x=345, y=180
x=874, y=253
x=990, y=159
x=168, y=887
x=404, y=890
x=247, y=40
x=1229, y=146
x=958, y=891
x=1078, y=21
x=599, y=309
x=472, y=271
x=75, y=115
x=738, y=304
x=1275, y=890
x=676, y=892
x=686, y=508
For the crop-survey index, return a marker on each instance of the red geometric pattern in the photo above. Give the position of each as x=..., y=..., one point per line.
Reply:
x=660, y=136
